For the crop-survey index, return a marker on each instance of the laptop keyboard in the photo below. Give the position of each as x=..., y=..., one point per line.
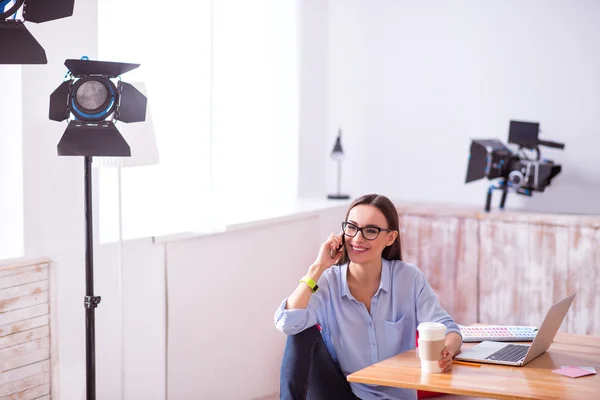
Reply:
x=498, y=333
x=511, y=353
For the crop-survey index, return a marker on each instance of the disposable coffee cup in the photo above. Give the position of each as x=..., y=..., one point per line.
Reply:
x=431, y=343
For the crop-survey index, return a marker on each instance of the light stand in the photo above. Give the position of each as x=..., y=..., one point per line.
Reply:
x=338, y=155
x=96, y=103
x=90, y=301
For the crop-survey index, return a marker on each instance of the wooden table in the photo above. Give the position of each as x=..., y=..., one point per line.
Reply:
x=533, y=381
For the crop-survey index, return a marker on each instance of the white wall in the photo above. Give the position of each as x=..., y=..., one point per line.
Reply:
x=11, y=169
x=411, y=82
x=313, y=144
x=144, y=321
x=223, y=291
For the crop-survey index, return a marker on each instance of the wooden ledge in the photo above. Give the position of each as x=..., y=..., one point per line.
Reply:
x=513, y=216
x=23, y=262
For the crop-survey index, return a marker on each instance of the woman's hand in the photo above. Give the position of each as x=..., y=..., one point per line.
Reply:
x=301, y=296
x=453, y=344
x=332, y=246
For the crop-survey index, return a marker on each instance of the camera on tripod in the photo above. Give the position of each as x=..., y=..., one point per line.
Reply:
x=513, y=171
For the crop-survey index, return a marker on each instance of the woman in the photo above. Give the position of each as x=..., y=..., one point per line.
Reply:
x=358, y=304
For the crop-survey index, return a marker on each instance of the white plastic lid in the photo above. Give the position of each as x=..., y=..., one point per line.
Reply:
x=431, y=326
x=431, y=331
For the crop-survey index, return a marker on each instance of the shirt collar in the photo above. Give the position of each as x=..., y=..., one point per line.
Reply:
x=384, y=283
x=385, y=275
x=345, y=290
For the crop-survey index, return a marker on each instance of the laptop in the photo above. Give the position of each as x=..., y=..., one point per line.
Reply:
x=520, y=354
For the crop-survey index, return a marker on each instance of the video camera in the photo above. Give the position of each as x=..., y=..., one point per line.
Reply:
x=490, y=158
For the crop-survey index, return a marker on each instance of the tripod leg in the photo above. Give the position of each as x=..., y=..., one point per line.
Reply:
x=503, y=199
x=488, y=199
x=504, y=193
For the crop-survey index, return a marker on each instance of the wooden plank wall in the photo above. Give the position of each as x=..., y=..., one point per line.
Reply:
x=527, y=266
x=25, y=371
x=451, y=270
x=506, y=267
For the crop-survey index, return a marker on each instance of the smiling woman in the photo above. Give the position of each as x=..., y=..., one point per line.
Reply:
x=382, y=212
x=359, y=307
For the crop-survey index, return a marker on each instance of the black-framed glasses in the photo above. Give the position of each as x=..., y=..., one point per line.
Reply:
x=368, y=232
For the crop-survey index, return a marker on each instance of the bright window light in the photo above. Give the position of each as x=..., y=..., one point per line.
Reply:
x=222, y=89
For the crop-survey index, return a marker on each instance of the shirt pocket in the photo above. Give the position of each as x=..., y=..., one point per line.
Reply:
x=399, y=336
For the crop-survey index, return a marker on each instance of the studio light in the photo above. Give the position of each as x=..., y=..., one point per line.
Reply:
x=513, y=171
x=17, y=44
x=93, y=102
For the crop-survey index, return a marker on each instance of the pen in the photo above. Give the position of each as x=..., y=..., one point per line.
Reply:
x=470, y=364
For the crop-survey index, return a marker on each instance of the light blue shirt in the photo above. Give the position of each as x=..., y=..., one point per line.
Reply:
x=356, y=338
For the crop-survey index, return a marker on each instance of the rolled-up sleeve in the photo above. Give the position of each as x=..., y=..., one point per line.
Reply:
x=428, y=307
x=295, y=321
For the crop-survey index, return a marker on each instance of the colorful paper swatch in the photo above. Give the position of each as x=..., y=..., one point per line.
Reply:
x=575, y=371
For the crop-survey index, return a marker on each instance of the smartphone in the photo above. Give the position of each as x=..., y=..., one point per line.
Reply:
x=332, y=252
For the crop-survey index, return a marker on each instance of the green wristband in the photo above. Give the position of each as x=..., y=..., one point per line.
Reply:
x=311, y=283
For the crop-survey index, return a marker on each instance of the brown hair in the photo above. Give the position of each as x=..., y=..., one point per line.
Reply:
x=387, y=208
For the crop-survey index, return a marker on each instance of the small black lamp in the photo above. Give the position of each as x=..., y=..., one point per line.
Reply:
x=337, y=154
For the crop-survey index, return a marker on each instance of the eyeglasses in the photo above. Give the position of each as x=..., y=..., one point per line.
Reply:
x=368, y=232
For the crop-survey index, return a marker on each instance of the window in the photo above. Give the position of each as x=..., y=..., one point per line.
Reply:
x=255, y=105
x=11, y=165
x=221, y=78
x=158, y=199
